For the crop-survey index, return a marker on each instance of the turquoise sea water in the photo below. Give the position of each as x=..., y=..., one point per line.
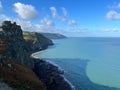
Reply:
x=89, y=63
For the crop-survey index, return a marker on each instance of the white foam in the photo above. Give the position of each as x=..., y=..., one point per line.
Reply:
x=59, y=68
x=61, y=75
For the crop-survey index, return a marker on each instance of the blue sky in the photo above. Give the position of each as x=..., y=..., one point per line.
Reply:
x=86, y=18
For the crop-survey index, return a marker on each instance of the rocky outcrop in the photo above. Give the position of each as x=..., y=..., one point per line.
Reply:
x=51, y=75
x=12, y=44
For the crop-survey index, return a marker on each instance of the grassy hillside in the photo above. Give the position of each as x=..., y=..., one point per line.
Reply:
x=36, y=40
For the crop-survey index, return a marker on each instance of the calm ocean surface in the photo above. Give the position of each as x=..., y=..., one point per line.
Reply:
x=89, y=63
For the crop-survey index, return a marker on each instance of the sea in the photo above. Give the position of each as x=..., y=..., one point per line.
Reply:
x=90, y=63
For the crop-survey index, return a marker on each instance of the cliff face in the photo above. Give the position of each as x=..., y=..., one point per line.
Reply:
x=12, y=44
x=36, y=41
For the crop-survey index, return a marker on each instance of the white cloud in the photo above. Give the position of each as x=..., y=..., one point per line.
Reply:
x=29, y=26
x=46, y=24
x=4, y=17
x=64, y=11
x=54, y=12
x=116, y=5
x=64, y=17
x=113, y=15
x=72, y=23
x=47, y=21
x=55, y=15
x=26, y=25
x=25, y=11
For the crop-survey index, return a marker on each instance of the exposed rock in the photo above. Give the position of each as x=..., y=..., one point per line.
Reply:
x=12, y=44
x=51, y=75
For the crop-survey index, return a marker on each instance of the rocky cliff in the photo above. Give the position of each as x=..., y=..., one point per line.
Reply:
x=12, y=44
x=15, y=59
x=17, y=45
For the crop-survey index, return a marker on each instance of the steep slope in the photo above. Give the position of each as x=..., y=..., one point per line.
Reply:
x=36, y=41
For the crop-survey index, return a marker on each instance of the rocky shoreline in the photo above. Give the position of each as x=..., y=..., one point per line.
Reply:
x=50, y=74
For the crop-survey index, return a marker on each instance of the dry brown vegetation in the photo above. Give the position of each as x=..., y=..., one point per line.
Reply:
x=3, y=47
x=20, y=77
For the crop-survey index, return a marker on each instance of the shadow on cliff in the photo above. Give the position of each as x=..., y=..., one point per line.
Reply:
x=79, y=80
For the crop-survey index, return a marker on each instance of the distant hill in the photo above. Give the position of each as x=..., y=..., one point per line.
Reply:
x=53, y=35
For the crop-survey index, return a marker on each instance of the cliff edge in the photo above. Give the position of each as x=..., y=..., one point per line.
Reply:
x=12, y=44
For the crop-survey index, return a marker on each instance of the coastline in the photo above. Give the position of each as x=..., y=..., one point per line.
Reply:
x=53, y=75
x=18, y=65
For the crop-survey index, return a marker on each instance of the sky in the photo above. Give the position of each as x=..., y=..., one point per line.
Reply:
x=76, y=18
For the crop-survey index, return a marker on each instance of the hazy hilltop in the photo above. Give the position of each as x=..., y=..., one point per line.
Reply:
x=53, y=35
